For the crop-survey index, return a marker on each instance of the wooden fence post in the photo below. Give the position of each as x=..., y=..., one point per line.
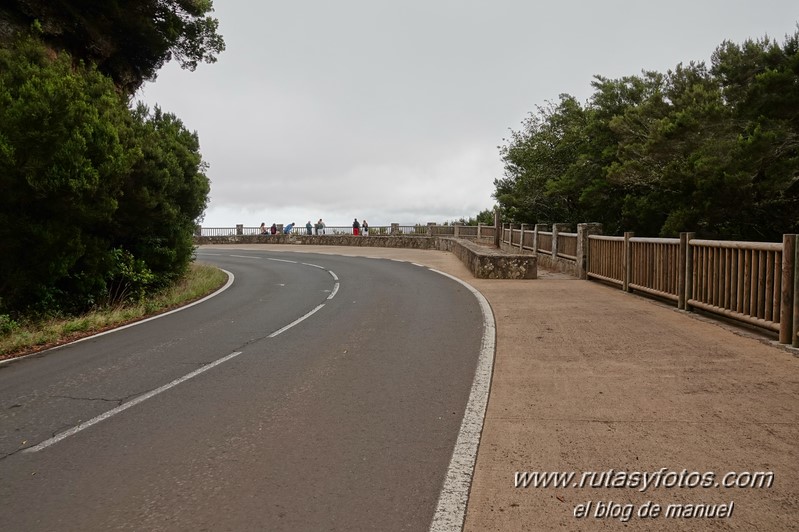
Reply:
x=795, y=331
x=537, y=229
x=583, y=232
x=627, y=261
x=521, y=238
x=557, y=228
x=497, y=228
x=786, y=306
x=681, y=269
x=554, y=247
x=685, y=276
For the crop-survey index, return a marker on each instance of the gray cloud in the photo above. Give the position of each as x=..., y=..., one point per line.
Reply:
x=393, y=111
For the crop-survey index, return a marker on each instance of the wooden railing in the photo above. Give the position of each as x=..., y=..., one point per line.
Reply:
x=740, y=280
x=752, y=282
x=567, y=245
x=655, y=266
x=606, y=258
x=544, y=242
x=487, y=231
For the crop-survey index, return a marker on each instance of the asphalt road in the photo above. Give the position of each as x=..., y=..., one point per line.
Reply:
x=218, y=417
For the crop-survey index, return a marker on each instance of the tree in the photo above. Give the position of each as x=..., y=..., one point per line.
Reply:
x=129, y=41
x=672, y=147
x=715, y=151
x=99, y=203
x=162, y=196
x=555, y=166
x=759, y=80
x=61, y=167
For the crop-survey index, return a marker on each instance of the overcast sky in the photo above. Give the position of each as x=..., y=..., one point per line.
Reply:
x=392, y=111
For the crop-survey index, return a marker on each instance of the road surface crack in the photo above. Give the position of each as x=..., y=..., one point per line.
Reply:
x=104, y=399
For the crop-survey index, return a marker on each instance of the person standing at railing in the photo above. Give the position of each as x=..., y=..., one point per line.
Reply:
x=356, y=227
x=273, y=229
x=308, y=228
x=288, y=228
x=320, y=227
x=365, y=228
x=263, y=228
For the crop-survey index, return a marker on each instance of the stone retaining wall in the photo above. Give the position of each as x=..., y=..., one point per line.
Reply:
x=546, y=260
x=484, y=262
x=491, y=263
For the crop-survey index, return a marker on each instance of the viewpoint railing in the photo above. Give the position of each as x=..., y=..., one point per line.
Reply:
x=395, y=229
x=751, y=282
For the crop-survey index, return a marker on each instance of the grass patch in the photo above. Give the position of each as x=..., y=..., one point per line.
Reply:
x=17, y=339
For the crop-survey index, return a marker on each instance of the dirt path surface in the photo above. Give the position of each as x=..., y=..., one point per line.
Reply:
x=588, y=379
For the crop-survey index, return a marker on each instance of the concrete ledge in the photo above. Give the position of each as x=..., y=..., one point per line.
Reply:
x=491, y=263
x=484, y=262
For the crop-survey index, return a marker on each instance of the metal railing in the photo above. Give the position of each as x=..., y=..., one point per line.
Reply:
x=395, y=229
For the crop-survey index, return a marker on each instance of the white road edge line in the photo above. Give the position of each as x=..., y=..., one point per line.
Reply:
x=86, y=424
x=451, y=508
x=244, y=257
x=230, y=279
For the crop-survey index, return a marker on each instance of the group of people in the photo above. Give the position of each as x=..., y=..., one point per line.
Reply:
x=273, y=230
x=268, y=230
x=361, y=228
x=358, y=228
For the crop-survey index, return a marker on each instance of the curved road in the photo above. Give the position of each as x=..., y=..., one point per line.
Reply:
x=320, y=392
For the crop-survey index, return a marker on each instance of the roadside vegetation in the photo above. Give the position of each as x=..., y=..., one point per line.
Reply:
x=32, y=335
x=712, y=149
x=101, y=196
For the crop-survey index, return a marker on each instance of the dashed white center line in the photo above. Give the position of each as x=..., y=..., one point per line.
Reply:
x=121, y=408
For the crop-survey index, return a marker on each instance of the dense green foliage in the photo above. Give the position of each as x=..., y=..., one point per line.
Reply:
x=485, y=217
x=714, y=150
x=98, y=202
x=128, y=41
